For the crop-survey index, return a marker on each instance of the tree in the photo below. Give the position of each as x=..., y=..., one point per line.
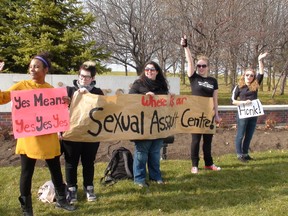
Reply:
x=231, y=33
x=58, y=26
x=129, y=29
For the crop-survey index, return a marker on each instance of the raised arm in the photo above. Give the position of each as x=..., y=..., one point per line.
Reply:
x=189, y=58
x=261, y=65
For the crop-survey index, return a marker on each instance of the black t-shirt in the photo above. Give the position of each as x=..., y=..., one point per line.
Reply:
x=203, y=86
x=244, y=93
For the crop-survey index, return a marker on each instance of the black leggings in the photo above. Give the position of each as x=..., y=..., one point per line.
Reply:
x=73, y=152
x=195, y=146
x=27, y=170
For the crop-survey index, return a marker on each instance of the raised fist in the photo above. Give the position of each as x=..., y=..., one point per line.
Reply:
x=184, y=41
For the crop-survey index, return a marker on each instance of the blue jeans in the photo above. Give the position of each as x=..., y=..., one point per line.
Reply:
x=245, y=131
x=147, y=152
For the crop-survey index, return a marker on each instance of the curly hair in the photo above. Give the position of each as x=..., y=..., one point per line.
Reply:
x=254, y=84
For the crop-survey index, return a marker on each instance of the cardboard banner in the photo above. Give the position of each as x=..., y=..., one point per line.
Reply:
x=250, y=110
x=129, y=117
x=39, y=111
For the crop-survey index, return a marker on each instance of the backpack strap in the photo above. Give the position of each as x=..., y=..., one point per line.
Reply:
x=125, y=156
x=107, y=179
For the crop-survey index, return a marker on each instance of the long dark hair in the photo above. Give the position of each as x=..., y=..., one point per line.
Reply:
x=160, y=76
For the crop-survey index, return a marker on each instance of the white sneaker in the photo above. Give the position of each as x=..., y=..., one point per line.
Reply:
x=194, y=170
x=91, y=197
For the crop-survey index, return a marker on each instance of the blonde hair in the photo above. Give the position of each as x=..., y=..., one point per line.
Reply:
x=204, y=58
x=89, y=63
x=254, y=85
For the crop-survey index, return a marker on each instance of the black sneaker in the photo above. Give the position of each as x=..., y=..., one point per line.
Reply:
x=242, y=159
x=247, y=157
x=62, y=202
x=72, y=195
x=91, y=196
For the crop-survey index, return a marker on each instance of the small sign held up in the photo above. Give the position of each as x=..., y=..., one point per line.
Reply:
x=37, y=112
x=253, y=109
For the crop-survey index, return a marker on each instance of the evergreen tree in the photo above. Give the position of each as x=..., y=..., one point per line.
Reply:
x=58, y=26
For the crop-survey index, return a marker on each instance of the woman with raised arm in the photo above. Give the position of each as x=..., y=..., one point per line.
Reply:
x=205, y=86
x=244, y=93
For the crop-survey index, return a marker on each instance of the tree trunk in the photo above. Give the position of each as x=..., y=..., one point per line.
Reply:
x=226, y=76
x=283, y=83
x=269, y=78
x=183, y=74
x=126, y=70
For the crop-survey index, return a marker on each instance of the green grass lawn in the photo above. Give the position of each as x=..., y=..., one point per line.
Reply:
x=257, y=188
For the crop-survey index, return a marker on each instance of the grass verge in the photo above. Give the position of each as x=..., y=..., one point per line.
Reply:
x=257, y=188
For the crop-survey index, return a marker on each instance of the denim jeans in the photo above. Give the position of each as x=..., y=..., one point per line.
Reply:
x=147, y=152
x=245, y=131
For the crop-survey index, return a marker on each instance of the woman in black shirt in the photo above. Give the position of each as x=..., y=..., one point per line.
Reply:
x=246, y=91
x=201, y=85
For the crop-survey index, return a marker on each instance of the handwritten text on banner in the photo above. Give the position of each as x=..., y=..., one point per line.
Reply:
x=128, y=117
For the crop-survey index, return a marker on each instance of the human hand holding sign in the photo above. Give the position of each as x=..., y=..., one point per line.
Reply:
x=83, y=90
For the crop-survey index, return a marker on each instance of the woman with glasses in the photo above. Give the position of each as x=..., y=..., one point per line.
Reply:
x=151, y=82
x=246, y=91
x=205, y=86
x=45, y=147
x=87, y=151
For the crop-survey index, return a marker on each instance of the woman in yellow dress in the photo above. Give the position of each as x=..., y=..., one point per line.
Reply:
x=31, y=148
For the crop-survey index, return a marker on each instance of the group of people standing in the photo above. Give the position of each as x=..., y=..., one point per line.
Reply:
x=146, y=152
x=243, y=93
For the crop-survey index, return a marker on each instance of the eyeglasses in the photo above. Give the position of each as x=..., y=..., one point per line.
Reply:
x=150, y=69
x=249, y=75
x=203, y=66
x=84, y=77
